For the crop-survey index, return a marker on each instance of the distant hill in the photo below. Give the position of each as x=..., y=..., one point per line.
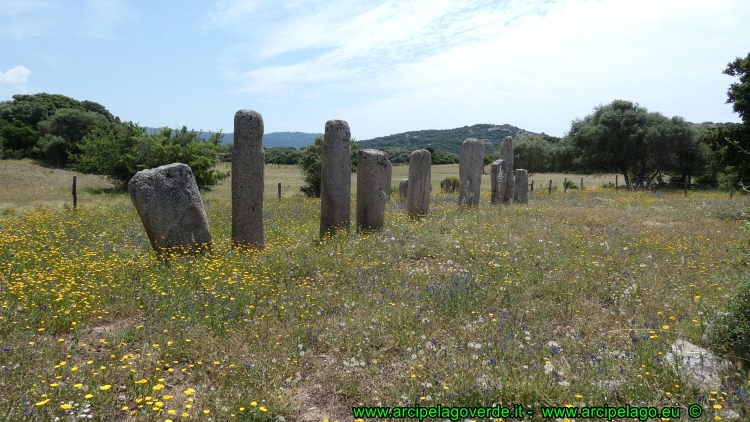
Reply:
x=270, y=140
x=446, y=140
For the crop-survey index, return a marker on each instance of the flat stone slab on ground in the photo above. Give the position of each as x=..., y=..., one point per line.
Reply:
x=698, y=365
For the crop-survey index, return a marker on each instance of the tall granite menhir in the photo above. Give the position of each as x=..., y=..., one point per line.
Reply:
x=171, y=209
x=248, y=161
x=335, y=178
x=521, y=192
x=508, y=157
x=418, y=192
x=498, y=175
x=470, y=165
x=372, y=188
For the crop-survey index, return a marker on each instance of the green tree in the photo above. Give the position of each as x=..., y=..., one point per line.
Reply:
x=125, y=149
x=17, y=137
x=723, y=156
x=64, y=130
x=739, y=93
x=626, y=138
x=532, y=152
x=310, y=166
x=282, y=155
x=34, y=116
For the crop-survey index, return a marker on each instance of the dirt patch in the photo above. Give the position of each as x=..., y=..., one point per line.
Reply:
x=95, y=333
x=318, y=401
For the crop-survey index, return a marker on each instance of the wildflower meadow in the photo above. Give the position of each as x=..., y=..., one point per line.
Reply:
x=571, y=300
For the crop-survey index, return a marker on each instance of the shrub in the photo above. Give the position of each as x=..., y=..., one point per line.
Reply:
x=123, y=151
x=449, y=184
x=569, y=184
x=729, y=332
x=309, y=164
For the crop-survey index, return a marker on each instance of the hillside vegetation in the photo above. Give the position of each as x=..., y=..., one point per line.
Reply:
x=446, y=140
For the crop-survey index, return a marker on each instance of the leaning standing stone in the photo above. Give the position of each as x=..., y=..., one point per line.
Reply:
x=521, y=192
x=470, y=171
x=171, y=209
x=372, y=183
x=335, y=178
x=418, y=193
x=403, y=188
x=498, y=173
x=248, y=161
x=508, y=157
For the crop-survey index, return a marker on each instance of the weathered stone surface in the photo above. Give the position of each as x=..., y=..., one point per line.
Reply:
x=697, y=364
x=389, y=178
x=498, y=184
x=372, y=188
x=418, y=193
x=470, y=166
x=335, y=178
x=171, y=209
x=521, y=192
x=508, y=157
x=248, y=162
x=403, y=188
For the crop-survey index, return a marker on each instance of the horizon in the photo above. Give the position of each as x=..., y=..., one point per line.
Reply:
x=384, y=67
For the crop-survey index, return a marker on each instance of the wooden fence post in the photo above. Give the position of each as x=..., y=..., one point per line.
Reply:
x=616, y=182
x=686, y=179
x=279, y=190
x=550, y=187
x=565, y=185
x=532, y=186
x=75, y=195
x=581, y=182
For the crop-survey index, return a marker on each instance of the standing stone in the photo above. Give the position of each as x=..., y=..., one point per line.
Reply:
x=403, y=188
x=335, y=178
x=389, y=178
x=372, y=184
x=521, y=192
x=498, y=173
x=418, y=193
x=171, y=209
x=470, y=166
x=508, y=157
x=248, y=161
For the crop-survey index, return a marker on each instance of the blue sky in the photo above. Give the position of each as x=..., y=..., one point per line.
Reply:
x=384, y=66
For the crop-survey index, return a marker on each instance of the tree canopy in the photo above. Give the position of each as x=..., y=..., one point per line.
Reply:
x=125, y=149
x=739, y=92
x=623, y=137
x=49, y=125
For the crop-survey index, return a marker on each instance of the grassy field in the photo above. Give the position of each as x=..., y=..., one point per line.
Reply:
x=25, y=183
x=572, y=300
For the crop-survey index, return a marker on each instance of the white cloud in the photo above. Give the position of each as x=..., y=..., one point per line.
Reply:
x=16, y=76
x=26, y=18
x=103, y=16
x=539, y=63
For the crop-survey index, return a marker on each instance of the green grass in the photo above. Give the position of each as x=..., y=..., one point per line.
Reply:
x=551, y=303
